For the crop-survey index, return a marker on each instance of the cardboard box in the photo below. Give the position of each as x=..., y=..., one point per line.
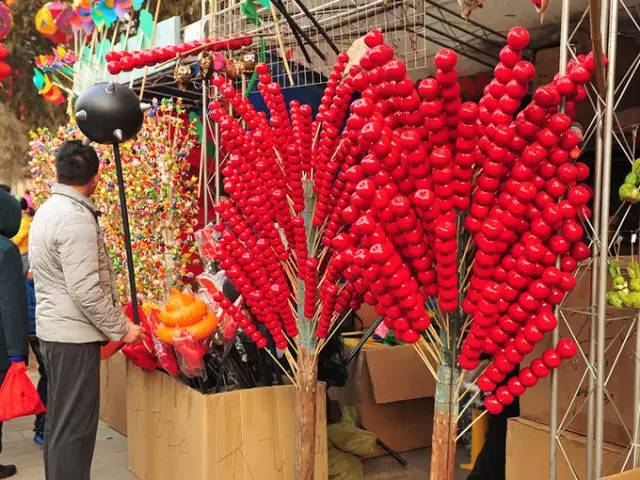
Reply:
x=176, y=432
x=535, y=403
x=367, y=315
x=113, y=392
x=630, y=475
x=528, y=453
x=393, y=394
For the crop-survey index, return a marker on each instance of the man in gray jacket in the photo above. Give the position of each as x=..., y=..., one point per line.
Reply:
x=77, y=311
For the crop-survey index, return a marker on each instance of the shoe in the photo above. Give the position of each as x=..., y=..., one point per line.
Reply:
x=7, y=471
x=39, y=439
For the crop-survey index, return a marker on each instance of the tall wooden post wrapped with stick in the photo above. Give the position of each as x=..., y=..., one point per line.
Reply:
x=447, y=217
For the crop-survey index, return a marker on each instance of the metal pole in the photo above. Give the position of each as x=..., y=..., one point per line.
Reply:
x=591, y=411
x=126, y=230
x=604, y=236
x=205, y=132
x=636, y=399
x=553, y=416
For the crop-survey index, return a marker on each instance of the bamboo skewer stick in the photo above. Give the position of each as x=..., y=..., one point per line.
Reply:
x=468, y=404
x=115, y=34
x=126, y=40
x=424, y=346
x=468, y=427
x=322, y=344
x=275, y=359
x=153, y=34
x=283, y=52
x=426, y=361
x=292, y=361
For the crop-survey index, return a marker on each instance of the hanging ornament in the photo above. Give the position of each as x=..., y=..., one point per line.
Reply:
x=206, y=66
x=6, y=21
x=468, y=6
x=541, y=7
x=233, y=68
x=248, y=62
x=182, y=75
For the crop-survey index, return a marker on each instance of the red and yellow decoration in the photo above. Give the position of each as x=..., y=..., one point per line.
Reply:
x=184, y=312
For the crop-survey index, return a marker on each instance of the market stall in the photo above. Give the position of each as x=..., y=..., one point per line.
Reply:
x=464, y=210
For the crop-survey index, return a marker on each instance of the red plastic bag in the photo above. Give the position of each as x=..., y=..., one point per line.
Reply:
x=190, y=354
x=164, y=353
x=111, y=348
x=140, y=356
x=18, y=396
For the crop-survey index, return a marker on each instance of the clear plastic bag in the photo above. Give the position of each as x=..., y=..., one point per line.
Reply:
x=190, y=354
x=164, y=353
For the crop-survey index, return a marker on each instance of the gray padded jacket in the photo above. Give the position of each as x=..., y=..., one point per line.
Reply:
x=75, y=296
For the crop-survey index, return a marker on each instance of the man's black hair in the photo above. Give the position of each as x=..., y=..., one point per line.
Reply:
x=4, y=187
x=76, y=164
x=24, y=205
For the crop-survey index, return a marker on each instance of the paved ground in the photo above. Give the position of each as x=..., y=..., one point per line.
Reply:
x=386, y=468
x=110, y=461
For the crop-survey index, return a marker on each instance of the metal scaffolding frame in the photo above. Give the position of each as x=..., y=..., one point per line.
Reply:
x=610, y=331
x=417, y=29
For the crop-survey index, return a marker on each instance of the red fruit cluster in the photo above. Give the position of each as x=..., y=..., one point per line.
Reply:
x=5, y=69
x=123, y=61
x=527, y=378
x=394, y=173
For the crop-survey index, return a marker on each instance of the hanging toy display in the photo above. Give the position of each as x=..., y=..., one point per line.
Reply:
x=625, y=291
x=161, y=191
x=53, y=21
x=629, y=191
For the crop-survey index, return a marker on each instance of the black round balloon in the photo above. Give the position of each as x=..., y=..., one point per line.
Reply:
x=108, y=113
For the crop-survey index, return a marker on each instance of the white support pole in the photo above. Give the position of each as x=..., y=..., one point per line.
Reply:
x=591, y=408
x=636, y=399
x=553, y=416
x=604, y=237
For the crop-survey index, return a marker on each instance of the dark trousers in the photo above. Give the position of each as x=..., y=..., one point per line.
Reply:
x=73, y=372
x=490, y=464
x=3, y=373
x=38, y=426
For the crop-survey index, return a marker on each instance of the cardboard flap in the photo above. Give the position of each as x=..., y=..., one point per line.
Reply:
x=630, y=475
x=398, y=374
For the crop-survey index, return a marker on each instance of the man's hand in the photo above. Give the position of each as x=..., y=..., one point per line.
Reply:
x=135, y=334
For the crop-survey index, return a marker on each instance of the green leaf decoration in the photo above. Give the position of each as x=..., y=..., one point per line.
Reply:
x=249, y=10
